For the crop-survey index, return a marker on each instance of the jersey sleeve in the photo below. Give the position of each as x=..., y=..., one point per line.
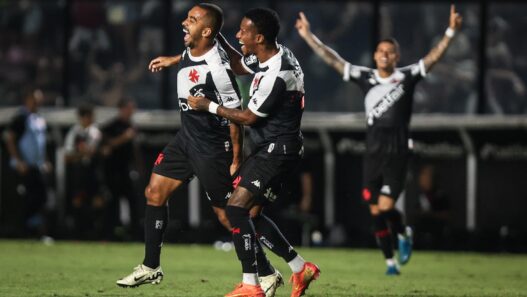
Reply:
x=250, y=63
x=267, y=96
x=417, y=70
x=224, y=81
x=355, y=73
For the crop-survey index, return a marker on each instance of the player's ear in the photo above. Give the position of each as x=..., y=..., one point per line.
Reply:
x=207, y=32
x=260, y=38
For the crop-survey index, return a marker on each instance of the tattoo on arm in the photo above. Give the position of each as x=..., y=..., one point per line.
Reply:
x=238, y=116
x=330, y=56
x=436, y=53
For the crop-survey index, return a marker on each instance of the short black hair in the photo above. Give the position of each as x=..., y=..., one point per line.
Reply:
x=266, y=21
x=392, y=41
x=85, y=110
x=216, y=16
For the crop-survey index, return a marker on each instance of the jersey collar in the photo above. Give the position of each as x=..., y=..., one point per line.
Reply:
x=273, y=59
x=396, y=76
x=205, y=55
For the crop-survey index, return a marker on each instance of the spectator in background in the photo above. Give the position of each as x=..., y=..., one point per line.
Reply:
x=432, y=209
x=26, y=144
x=86, y=204
x=118, y=152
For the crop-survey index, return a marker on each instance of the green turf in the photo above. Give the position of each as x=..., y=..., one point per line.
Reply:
x=90, y=269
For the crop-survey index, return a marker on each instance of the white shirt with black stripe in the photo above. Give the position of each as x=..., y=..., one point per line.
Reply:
x=277, y=98
x=210, y=76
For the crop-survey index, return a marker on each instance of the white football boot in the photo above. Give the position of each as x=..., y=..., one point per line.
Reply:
x=271, y=282
x=140, y=276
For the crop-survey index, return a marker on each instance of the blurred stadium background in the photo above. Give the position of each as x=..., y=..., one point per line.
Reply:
x=469, y=124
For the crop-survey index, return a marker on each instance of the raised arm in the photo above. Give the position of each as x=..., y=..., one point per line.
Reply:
x=235, y=56
x=161, y=62
x=331, y=57
x=439, y=50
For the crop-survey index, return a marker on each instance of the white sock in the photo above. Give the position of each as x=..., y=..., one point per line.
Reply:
x=250, y=279
x=391, y=262
x=297, y=264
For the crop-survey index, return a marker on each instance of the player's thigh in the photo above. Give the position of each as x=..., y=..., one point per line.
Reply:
x=214, y=175
x=372, y=178
x=170, y=171
x=394, y=176
x=265, y=177
x=162, y=185
x=173, y=162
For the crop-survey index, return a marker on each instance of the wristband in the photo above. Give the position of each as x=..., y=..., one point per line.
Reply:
x=213, y=107
x=450, y=32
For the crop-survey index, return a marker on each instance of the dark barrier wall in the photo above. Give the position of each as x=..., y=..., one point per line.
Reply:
x=436, y=199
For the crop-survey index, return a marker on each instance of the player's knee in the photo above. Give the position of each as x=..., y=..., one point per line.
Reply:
x=374, y=210
x=255, y=212
x=385, y=208
x=385, y=203
x=235, y=213
x=222, y=218
x=241, y=198
x=154, y=196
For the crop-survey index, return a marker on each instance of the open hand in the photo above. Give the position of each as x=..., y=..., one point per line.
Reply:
x=159, y=63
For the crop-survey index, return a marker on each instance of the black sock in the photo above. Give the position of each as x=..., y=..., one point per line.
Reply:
x=263, y=265
x=156, y=220
x=243, y=237
x=383, y=236
x=270, y=236
x=394, y=217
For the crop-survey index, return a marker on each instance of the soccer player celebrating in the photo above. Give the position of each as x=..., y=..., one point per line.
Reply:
x=388, y=103
x=207, y=146
x=202, y=148
x=274, y=113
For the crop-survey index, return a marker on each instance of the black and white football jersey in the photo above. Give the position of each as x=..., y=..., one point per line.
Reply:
x=388, y=105
x=210, y=76
x=388, y=100
x=277, y=97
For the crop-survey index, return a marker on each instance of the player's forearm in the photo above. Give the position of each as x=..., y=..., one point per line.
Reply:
x=175, y=60
x=330, y=56
x=235, y=56
x=437, y=52
x=235, y=115
x=236, y=132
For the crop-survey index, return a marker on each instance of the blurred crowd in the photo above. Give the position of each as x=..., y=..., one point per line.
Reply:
x=99, y=179
x=96, y=51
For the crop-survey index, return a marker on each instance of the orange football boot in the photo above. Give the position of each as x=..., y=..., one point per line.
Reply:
x=302, y=279
x=246, y=290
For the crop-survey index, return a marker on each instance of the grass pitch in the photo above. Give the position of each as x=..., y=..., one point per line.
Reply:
x=91, y=269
